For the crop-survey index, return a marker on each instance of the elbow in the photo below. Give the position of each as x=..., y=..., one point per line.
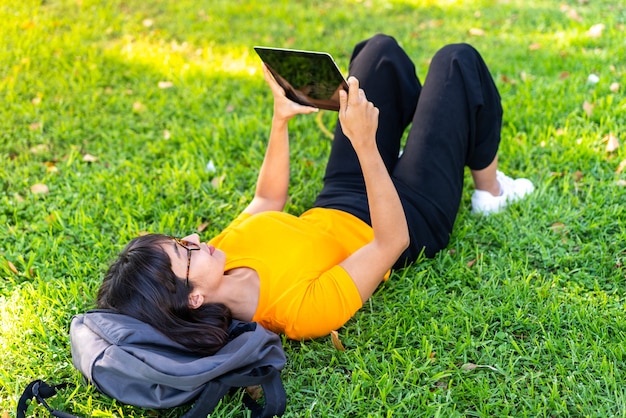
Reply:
x=404, y=238
x=397, y=246
x=403, y=243
x=406, y=241
x=395, y=243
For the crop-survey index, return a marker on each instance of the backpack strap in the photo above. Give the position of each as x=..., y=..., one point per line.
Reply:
x=268, y=377
x=210, y=396
x=273, y=390
x=40, y=390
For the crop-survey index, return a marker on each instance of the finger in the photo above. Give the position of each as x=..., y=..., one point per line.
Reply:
x=266, y=73
x=269, y=77
x=353, y=90
x=343, y=101
x=271, y=81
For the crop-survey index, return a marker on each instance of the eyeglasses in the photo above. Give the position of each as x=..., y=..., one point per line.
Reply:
x=189, y=246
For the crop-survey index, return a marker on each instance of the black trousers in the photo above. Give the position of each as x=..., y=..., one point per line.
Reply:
x=455, y=119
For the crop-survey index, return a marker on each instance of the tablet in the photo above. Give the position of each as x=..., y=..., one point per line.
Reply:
x=310, y=78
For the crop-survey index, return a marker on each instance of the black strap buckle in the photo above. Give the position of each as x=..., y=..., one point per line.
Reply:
x=40, y=390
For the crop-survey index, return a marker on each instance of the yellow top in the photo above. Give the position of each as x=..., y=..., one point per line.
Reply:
x=304, y=293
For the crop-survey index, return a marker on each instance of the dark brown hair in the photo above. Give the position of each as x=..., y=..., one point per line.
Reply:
x=141, y=284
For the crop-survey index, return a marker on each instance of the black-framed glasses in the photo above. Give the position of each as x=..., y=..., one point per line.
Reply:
x=189, y=246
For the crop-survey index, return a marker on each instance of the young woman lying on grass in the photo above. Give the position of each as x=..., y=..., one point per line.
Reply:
x=306, y=275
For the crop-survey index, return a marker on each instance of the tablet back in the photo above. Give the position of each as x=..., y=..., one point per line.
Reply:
x=310, y=78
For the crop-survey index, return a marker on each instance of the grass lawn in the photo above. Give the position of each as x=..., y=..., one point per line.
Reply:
x=127, y=116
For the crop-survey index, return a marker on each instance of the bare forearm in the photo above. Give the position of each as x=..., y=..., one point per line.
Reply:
x=386, y=212
x=273, y=179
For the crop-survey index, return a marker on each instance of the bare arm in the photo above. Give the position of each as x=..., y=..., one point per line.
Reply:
x=367, y=266
x=273, y=181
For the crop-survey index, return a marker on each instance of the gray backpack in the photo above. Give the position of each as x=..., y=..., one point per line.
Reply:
x=130, y=361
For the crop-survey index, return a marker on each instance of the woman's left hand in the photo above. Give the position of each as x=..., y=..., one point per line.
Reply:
x=284, y=108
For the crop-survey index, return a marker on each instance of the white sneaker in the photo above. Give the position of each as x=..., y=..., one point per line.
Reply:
x=511, y=190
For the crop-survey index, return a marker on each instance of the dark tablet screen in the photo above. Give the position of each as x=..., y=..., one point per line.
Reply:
x=309, y=78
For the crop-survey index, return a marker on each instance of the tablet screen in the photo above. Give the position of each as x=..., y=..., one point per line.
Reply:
x=309, y=78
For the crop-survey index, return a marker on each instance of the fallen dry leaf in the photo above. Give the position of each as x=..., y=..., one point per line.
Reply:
x=39, y=188
x=217, y=181
x=578, y=176
x=202, y=226
x=596, y=30
x=12, y=267
x=51, y=218
x=51, y=168
x=621, y=183
x=621, y=167
x=469, y=366
x=440, y=384
x=88, y=158
x=5, y=414
x=557, y=227
x=165, y=84
x=573, y=14
x=534, y=47
x=476, y=32
x=524, y=76
x=35, y=126
x=614, y=87
x=472, y=366
x=612, y=142
x=564, y=75
x=507, y=80
x=39, y=148
x=255, y=392
x=166, y=134
x=138, y=107
x=334, y=336
x=588, y=108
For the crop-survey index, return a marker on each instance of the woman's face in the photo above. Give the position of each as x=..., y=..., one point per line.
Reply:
x=202, y=264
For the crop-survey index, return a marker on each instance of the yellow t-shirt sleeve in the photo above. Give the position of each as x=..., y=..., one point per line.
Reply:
x=326, y=304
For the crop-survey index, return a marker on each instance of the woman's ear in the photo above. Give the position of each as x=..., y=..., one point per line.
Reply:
x=195, y=300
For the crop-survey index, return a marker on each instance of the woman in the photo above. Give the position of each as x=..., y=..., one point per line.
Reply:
x=305, y=276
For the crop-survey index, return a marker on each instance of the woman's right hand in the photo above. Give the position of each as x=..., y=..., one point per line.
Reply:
x=358, y=116
x=284, y=108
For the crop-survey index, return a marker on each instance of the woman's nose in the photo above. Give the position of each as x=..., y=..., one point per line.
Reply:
x=195, y=238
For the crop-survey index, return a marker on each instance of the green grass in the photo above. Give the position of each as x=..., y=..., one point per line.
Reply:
x=533, y=296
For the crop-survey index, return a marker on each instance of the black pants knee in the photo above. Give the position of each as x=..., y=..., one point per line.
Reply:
x=455, y=122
